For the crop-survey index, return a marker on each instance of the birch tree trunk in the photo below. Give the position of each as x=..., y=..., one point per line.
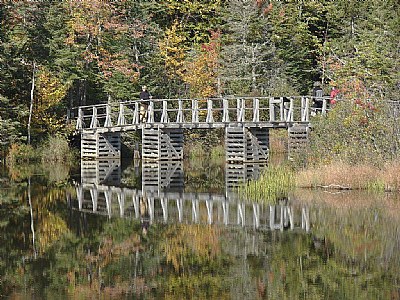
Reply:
x=31, y=105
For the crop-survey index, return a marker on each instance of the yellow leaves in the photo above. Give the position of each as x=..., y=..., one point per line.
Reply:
x=172, y=49
x=183, y=242
x=50, y=229
x=50, y=90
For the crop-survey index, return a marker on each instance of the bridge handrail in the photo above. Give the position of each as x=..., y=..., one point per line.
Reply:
x=246, y=109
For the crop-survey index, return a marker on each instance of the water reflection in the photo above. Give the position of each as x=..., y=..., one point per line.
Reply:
x=164, y=199
x=184, y=234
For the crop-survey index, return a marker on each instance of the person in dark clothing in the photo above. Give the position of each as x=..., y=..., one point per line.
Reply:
x=317, y=96
x=144, y=95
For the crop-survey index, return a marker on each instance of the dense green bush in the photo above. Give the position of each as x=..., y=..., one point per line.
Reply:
x=355, y=131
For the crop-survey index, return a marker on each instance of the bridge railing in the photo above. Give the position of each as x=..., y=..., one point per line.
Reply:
x=198, y=111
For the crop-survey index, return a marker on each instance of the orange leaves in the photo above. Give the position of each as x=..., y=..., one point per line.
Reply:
x=201, y=72
x=94, y=27
x=111, y=63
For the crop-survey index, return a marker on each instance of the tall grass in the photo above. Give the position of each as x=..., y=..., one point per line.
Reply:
x=278, y=141
x=274, y=184
x=341, y=175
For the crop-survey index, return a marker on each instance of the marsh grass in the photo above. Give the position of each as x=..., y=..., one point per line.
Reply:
x=340, y=175
x=274, y=184
x=278, y=141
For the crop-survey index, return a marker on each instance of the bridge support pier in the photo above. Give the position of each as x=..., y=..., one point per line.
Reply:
x=297, y=140
x=96, y=145
x=246, y=144
x=162, y=144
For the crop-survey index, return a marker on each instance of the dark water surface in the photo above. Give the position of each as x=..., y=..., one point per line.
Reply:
x=178, y=231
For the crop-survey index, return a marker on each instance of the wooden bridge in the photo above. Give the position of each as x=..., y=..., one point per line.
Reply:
x=188, y=208
x=246, y=120
x=162, y=175
x=163, y=197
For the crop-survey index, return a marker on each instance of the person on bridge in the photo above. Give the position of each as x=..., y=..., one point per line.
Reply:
x=317, y=97
x=144, y=105
x=333, y=95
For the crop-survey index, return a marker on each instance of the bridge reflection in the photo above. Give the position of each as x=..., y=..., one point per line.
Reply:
x=163, y=198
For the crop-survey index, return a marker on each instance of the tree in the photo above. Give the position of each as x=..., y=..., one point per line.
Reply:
x=247, y=51
x=364, y=51
x=201, y=71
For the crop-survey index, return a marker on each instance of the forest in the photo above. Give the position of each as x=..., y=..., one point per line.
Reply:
x=55, y=55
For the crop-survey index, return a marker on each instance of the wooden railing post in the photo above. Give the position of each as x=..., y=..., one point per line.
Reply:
x=135, y=119
x=305, y=109
x=107, y=122
x=240, y=110
x=195, y=111
x=271, y=109
x=121, y=117
x=210, y=118
x=289, y=117
x=324, y=106
x=164, y=115
x=179, y=117
x=150, y=114
x=225, y=112
x=79, y=121
x=281, y=109
x=256, y=110
x=94, y=122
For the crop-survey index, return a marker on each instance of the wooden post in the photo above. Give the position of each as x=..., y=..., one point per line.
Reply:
x=289, y=117
x=305, y=110
x=271, y=109
x=121, y=117
x=225, y=107
x=79, y=121
x=256, y=110
x=195, y=111
x=210, y=118
x=281, y=109
x=324, y=106
x=179, y=117
x=94, y=122
x=164, y=115
x=136, y=114
x=150, y=115
x=107, y=122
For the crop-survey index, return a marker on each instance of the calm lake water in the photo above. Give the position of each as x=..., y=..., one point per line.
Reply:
x=178, y=231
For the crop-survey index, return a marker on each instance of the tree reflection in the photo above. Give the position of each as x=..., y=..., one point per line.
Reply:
x=351, y=252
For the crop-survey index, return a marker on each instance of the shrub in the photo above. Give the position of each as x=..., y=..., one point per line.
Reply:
x=56, y=149
x=355, y=132
x=21, y=153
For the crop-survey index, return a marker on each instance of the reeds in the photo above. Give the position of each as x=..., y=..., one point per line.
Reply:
x=274, y=184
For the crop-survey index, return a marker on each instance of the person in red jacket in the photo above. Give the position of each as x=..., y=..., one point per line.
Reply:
x=333, y=95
